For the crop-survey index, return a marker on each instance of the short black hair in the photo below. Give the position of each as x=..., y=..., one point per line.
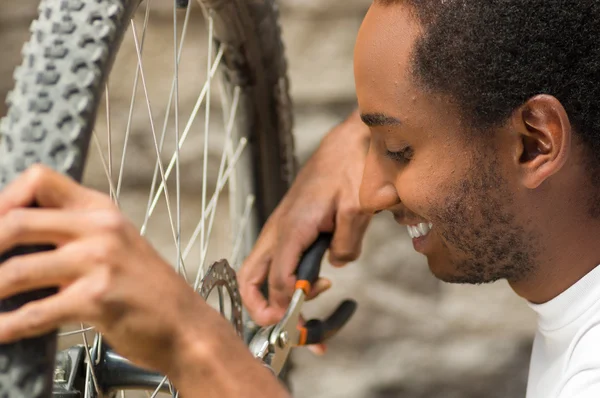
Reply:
x=491, y=56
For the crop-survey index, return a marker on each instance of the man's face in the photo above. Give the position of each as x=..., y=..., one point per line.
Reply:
x=427, y=169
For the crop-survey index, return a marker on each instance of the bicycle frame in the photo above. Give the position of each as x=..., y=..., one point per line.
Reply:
x=111, y=371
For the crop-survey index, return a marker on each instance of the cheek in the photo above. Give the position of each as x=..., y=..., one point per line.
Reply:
x=424, y=186
x=418, y=191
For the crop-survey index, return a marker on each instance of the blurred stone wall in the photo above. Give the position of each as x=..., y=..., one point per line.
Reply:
x=412, y=336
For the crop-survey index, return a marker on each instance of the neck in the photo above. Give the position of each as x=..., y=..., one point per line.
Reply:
x=568, y=254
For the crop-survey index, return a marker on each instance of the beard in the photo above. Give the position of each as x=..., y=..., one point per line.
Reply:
x=483, y=238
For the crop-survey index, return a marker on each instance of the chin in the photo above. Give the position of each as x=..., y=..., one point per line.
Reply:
x=442, y=270
x=444, y=276
x=446, y=271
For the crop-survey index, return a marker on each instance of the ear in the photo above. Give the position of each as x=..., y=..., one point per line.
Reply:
x=544, y=138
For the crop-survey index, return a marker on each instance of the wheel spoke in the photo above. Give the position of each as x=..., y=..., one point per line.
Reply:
x=133, y=97
x=177, y=163
x=154, y=198
x=160, y=166
x=221, y=300
x=228, y=149
x=160, y=385
x=166, y=123
x=206, y=128
x=74, y=332
x=90, y=366
x=109, y=139
x=173, y=392
x=241, y=229
x=220, y=184
x=87, y=381
x=111, y=187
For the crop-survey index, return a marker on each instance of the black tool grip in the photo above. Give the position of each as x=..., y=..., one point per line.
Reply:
x=318, y=331
x=310, y=263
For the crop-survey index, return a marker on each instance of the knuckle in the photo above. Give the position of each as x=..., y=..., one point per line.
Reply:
x=351, y=210
x=16, y=275
x=112, y=221
x=275, y=222
x=99, y=290
x=345, y=254
x=16, y=221
x=279, y=284
x=104, y=250
x=104, y=301
x=276, y=284
x=37, y=173
x=33, y=318
x=100, y=199
x=242, y=275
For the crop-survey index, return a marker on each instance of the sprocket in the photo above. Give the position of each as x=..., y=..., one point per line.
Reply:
x=221, y=275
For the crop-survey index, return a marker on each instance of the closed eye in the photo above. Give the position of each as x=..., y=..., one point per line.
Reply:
x=402, y=156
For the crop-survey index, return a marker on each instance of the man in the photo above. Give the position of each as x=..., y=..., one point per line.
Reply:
x=483, y=120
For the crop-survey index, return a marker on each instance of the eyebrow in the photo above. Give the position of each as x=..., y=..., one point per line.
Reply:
x=379, y=119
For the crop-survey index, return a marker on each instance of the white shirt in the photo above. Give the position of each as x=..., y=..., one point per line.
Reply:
x=565, y=362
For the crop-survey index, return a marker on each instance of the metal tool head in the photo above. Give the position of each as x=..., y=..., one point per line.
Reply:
x=286, y=333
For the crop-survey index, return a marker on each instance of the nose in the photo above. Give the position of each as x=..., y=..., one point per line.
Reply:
x=377, y=191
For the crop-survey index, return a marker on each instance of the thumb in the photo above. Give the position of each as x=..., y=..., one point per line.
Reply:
x=322, y=285
x=347, y=239
x=282, y=277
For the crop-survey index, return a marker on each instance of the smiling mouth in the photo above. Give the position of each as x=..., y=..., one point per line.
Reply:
x=419, y=230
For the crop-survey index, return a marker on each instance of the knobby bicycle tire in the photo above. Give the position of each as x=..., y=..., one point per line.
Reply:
x=52, y=110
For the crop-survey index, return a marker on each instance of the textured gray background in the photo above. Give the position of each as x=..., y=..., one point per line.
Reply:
x=412, y=336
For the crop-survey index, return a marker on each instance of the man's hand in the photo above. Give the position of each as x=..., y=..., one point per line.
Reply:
x=110, y=277
x=323, y=198
x=101, y=265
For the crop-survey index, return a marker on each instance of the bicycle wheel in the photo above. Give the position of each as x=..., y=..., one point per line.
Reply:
x=63, y=84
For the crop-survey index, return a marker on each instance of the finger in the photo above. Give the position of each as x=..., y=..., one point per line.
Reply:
x=322, y=285
x=47, y=188
x=317, y=349
x=39, y=317
x=39, y=226
x=252, y=276
x=347, y=239
x=289, y=249
x=254, y=300
x=261, y=313
x=39, y=270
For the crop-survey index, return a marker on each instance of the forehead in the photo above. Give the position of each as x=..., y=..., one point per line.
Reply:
x=382, y=56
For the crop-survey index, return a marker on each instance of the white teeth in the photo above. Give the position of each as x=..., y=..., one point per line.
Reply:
x=416, y=231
